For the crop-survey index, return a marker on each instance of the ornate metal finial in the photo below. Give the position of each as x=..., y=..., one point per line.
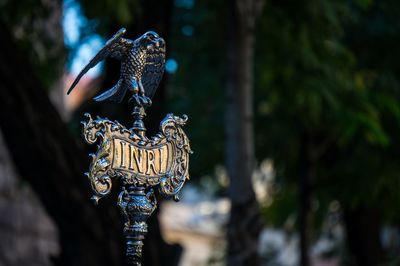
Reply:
x=143, y=164
x=142, y=67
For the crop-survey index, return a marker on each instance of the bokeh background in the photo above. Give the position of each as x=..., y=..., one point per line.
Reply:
x=294, y=119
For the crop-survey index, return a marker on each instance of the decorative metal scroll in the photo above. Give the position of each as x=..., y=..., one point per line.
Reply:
x=162, y=160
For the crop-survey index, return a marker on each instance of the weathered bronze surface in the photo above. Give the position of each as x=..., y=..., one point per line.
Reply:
x=145, y=166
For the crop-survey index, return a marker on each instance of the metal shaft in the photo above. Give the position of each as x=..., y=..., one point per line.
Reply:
x=136, y=208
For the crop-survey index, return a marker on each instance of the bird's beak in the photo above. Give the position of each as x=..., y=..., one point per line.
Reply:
x=160, y=43
x=150, y=47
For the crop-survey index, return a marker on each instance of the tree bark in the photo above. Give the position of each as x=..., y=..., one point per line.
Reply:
x=49, y=159
x=363, y=235
x=244, y=224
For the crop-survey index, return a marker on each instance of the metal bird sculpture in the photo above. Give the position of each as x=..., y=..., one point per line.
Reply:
x=142, y=67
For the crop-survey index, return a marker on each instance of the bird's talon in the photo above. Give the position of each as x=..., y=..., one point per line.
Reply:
x=136, y=98
x=141, y=100
x=146, y=101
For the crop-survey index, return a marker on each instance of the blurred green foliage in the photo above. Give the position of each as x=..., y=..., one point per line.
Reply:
x=111, y=12
x=324, y=68
x=328, y=68
x=197, y=88
x=37, y=28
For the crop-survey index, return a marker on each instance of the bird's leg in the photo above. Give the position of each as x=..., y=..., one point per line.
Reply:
x=134, y=88
x=145, y=100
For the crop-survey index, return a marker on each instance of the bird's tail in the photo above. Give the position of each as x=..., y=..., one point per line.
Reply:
x=115, y=94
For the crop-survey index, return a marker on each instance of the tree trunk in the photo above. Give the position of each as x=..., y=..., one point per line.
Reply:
x=307, y=172
x=28, y=235
x=245, y=222
x=48, y=158
x=363, y=236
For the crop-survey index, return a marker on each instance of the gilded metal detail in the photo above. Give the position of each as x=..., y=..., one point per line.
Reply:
x=162, y=160
x=145, y=166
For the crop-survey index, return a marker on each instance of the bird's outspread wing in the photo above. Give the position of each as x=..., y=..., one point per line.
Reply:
x=116, y=47
x=152, y=73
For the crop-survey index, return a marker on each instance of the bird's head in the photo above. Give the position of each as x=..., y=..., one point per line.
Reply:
x=151, y=41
